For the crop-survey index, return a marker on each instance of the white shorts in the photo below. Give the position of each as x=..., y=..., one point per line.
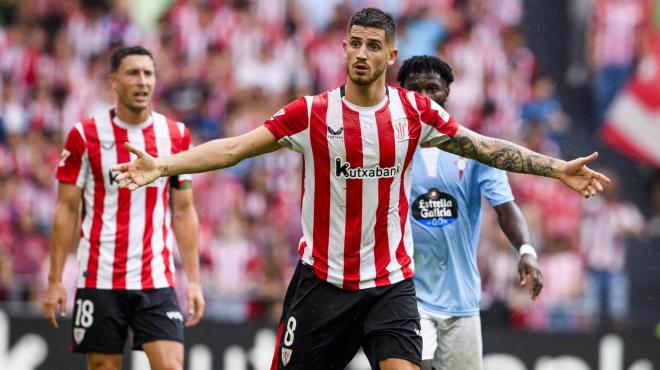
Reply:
x=452, y=342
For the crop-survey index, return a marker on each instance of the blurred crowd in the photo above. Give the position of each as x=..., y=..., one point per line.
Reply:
x=224, y=66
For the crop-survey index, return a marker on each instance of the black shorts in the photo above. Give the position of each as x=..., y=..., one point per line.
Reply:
x=101, y=319
x=323, y=326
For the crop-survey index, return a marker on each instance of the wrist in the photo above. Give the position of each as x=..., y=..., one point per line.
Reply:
x=162, y=168
x=558, y=168
x=527, y=249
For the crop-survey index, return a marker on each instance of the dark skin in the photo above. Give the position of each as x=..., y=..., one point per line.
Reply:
x=511, y=220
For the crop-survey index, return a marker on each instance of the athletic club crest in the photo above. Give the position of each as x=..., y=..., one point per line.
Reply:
x=78, y=334
x=286, y=355
x=400, y=127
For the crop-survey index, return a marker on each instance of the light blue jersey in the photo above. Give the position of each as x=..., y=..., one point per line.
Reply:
x=445, y=216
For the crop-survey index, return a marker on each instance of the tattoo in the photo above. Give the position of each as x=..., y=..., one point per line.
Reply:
x=499, y=154
x=165, y=171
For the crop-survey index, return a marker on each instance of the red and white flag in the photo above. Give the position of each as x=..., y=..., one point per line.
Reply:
x=632, y=124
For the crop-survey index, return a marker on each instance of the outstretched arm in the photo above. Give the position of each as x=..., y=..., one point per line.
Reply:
x=513, y=223
x=212, y=155
x=510, y=157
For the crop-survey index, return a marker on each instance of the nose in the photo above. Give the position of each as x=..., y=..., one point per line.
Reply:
x=142, y=78
x=362, y=53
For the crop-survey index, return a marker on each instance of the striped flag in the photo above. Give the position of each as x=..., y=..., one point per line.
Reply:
x=632, y=124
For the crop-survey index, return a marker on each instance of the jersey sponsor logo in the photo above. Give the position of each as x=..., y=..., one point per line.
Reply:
x=108, y=146
x=286, y=356
x=112, y=180
x=335, y=134
x=435, y=208
x=174, y=315
x=344, y=169
x=112, y=177
x=78, y=334
x=400, y=127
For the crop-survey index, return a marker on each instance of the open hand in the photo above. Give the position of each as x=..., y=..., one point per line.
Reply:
x=140, y=172
x=576, y=175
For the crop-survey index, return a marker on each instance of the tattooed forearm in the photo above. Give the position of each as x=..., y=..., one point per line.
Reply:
x=500, y=154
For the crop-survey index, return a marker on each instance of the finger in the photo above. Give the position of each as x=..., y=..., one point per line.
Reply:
x=135, y=150
x=197, y=314
x=591, y=190
x=602, y=178
x=122, y=167
x=132, y=186
x=596, y=184
x=538, y=286
x=49, y=311
x=122, y=176
x=523, y=276
x=589, y=159
x=191, y=305
x=62, y=309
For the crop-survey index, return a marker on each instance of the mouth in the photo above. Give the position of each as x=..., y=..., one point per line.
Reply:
x=361, y=69
x=141, y=96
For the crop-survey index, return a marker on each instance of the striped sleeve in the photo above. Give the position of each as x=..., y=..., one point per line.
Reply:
x=73, y=167
x=289, y=123
x=437, y=125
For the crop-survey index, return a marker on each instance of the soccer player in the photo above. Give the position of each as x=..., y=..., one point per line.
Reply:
x=353, y=287
x=446, y=214
x=126, y=268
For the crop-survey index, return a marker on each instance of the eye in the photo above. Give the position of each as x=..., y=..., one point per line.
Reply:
x=374, y=47
x=355, y=44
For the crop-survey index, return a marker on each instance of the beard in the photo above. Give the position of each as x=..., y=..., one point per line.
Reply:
x=367, y=79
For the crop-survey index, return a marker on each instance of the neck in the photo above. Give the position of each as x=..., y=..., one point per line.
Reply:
x=365, y=95
x=131, y=116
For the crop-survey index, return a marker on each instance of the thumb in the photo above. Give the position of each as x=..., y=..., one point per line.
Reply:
x=523, y=276
x=135, y=150
x=589, y=159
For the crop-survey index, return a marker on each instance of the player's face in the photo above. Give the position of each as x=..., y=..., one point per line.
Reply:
x=367, y=54
x=429, y=84
x=134, y=81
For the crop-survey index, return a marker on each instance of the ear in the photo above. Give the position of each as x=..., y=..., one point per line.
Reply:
x=344, y=45
x=112, y=80
x=392, y=56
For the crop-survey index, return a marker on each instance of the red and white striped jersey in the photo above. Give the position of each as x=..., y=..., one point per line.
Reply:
x=357, y=174
x=616, y=25
x=126, y=240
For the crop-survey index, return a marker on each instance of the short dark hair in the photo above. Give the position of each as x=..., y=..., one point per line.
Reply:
x=119, y=54
x=376, y=18
x=425, y=64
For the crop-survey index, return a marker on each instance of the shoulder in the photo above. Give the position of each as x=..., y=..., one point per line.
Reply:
x=172, y=123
